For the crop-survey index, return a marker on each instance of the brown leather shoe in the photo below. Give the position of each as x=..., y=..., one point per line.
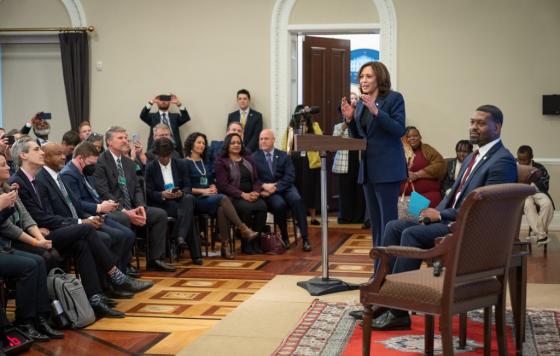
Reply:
x=247, y=233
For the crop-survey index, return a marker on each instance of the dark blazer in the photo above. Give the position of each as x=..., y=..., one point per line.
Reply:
x=284, y=173
x=383, y=160
x=175, y=120
x=252, y=130
x=225, y=182
x=155, y=184
x=56, y=199
x=107, y=180
x=496, y=167
x=75, y=181
x=41, y=209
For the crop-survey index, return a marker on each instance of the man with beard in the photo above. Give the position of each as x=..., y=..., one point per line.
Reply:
x=163, y=116
x=41, y=127
x=491, y=163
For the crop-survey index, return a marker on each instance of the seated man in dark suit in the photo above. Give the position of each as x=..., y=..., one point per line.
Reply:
x=116, y=180
x=216, y=146
x=276, y=171
x=491, y=163
x=168, y=187
x=76, y=176
x=251, y=120
x=163, y=116
x=94, y=260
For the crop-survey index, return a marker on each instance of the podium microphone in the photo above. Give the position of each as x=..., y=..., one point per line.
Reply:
x=309, y=110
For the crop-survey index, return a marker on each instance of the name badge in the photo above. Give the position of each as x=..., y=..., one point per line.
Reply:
x=203, y=181
x=168, y=186
x=122, y=180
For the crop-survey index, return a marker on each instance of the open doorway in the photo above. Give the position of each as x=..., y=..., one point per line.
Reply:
x=327, y=70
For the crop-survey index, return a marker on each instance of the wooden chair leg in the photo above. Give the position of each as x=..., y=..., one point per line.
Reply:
x=445, y=328
x=487, y=330
x=366, y=337
x=462, y=331
x=429, y=335
x=501, y=326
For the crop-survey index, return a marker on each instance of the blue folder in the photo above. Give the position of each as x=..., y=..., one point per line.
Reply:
x=417, y=203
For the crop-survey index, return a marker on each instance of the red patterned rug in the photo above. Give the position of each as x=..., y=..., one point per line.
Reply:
x=328, y=329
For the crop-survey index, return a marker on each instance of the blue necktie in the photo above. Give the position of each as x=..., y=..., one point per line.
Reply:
x=269, y=161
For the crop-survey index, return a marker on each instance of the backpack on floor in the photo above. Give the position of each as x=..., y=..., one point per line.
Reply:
x=69, y=292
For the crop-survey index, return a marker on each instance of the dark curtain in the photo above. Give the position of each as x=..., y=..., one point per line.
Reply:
x=74, y=51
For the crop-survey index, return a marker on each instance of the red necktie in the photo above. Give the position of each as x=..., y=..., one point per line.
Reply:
x=465, y=176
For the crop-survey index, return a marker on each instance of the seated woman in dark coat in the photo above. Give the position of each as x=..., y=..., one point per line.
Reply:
x=426, y=167
x=236, y=177
x=208, y=200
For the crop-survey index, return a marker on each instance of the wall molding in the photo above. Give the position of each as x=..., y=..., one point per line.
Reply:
x=548, y=161
x=76, y=12
x=280, y=52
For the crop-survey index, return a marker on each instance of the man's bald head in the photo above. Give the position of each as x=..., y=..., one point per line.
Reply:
x=55, y=155
x=266, y=140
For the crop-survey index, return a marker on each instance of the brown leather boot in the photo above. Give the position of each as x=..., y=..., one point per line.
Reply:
x=247, y=233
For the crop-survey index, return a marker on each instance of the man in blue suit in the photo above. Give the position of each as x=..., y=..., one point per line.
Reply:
x=277, y=173
x=491, y=163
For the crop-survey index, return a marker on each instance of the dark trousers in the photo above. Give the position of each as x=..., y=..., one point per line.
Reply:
x=412, y=234
x=182, y=209
x=381, y=201
x=253, y=214
x=157, y=228
x=279, y=204
x=30, y=273
x=122, y=241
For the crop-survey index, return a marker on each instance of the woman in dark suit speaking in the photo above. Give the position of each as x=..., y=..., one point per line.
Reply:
x=379, y=117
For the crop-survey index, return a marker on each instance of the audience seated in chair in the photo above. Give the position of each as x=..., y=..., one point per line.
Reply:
x=490, y=164
x=276, y=172
x=426, y=167
x=539, y=207
x=208, y=200
x=161, y=131
x=216, y=146
x=70, y=140
x=462, y=149
x=168, y=187
x=78, y=178
x=84, y=130
x=237, y=177
x=116, y=180
x=94, y=261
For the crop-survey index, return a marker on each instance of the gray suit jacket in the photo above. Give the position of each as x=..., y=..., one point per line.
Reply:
x=8, y=228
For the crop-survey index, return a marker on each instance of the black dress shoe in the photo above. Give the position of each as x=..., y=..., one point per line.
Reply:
x=366, y=225
x=30, y=331
x=306, y=246
x=42, y=325
x=159, y=265
x=103, y=311
x=197, y=261
x=108, y=301
x=118, y=294
x=315, y=222
x=256, y=245
x=134, y=285
x=376, y=312
x=132, y=272
x=181, y=243
x=389, y=321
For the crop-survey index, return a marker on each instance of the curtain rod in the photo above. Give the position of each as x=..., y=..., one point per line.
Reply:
x=48, y=29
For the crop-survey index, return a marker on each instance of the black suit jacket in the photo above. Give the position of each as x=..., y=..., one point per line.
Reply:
x=107, y=180
x=155, y=184
x=175, y=120
x=41, y=209
x=284, y=173
x=252, y=130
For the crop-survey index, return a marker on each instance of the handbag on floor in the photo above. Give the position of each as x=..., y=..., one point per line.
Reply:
x=271, y=243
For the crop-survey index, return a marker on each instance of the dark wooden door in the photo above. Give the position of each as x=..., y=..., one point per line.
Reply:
x=326, y=79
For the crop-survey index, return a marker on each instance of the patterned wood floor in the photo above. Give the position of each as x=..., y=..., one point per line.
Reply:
x=183, y=305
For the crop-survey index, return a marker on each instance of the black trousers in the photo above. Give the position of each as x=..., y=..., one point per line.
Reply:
x=280, y=203
x=30, y=273
x=182, y=209
x=253, y=214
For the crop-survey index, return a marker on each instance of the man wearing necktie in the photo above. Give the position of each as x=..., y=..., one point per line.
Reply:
x=276, y=171
x=250, y=119
x=491, y=163
x=163, y=116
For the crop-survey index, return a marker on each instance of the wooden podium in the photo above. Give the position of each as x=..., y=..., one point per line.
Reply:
x=325, y=285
